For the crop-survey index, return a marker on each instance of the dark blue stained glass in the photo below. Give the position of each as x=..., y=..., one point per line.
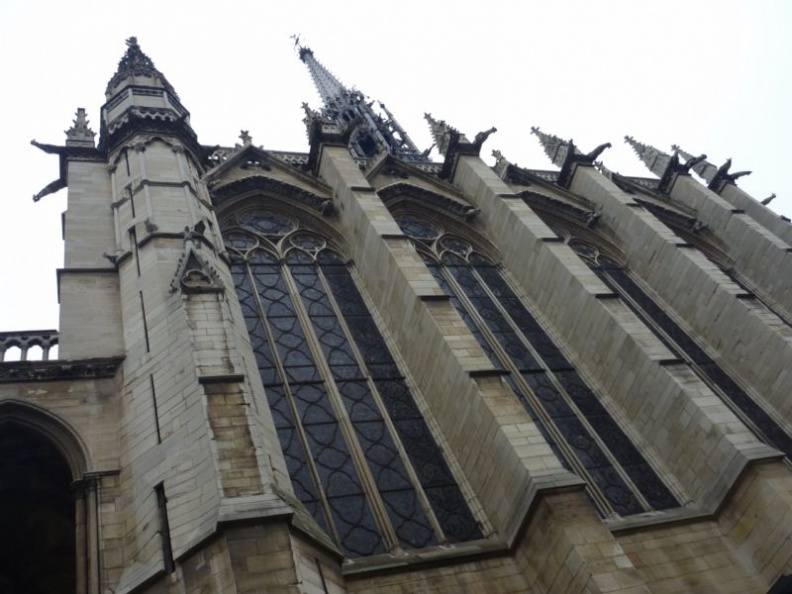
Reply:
x=615, y=491
x=586, y=448
x=275, y=298
x=522, y=318
x=359, y=403
x=397, y=399
x=369, y=340
x=355, y=525
x=656, y=313
x=299, y=473
x=452, y=512
x=486, y=347
x=344, y=290
x=654, y=491
x=418, y=228
x=385, y=464
x=769, y=428
x=333, y=461
x=279, y=407
x=240, y=241
x=329, y=257
x=335, y=346
x=609, y=431
x=290, y=343
x=267, y=223
x=384, y=371
x=551, y=400
x=312, y=404
x=494, y=319
x=408, y=519
x=773, y=433
x=529, y=407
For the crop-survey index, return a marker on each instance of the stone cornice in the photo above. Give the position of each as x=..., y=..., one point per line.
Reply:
x=58, y=370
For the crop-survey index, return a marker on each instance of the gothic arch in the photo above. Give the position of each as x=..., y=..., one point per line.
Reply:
x=54, y=429
x=44, y=543
x=304, y=210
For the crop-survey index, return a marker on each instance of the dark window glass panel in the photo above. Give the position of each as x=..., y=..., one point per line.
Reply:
x=397, y=399
x=329, y=257
x=418, y=228
x=662, y=319
x=616, y=492
x=500, y=328
x=299, y=473
x=344, y=290
x=355, y=525
x=530, y=328
x=312, y=404
x=453, y=514
x=771, y=431
x=611, y=434
x=267, y=223
x=279, y=405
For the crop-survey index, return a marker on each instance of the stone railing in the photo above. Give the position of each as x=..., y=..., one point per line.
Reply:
x=25, y=339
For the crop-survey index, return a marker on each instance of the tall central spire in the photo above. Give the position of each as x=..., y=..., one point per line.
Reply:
x=372, y=131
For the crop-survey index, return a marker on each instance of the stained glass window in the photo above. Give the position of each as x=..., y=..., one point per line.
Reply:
x=359, y=452
x=569, y=413
x=685, y=347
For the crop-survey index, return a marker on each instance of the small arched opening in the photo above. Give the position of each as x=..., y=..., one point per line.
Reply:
x=41, y=518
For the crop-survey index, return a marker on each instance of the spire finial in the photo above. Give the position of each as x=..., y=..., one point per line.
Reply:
x=702, y=167
x=136, y=63
x=656, y=160
x=245, y=137
x=554, y=147
x=442, y=133
x=80, y=134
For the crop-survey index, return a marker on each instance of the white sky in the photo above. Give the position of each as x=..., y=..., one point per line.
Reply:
x=713, y=77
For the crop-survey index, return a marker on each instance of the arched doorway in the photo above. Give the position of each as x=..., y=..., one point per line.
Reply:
x=37, y=514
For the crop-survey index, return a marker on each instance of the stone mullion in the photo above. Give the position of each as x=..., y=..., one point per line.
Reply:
x=563, y=393
x=676, y=412
x=347, y=430
x=383, y=412
x=561, y=443
x=292, y=406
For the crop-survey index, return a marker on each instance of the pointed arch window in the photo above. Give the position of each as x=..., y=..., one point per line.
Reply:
x=570, y=414
x=360, y=455
x=680, y=342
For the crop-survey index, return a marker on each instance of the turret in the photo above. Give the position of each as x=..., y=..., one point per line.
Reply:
x=140, y=98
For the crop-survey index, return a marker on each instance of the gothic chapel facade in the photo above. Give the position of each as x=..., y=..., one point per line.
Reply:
x=358, y=370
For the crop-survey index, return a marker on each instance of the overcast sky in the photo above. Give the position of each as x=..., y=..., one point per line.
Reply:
x=713, y=77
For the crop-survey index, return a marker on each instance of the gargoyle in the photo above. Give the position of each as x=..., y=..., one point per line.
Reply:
x=597, y=151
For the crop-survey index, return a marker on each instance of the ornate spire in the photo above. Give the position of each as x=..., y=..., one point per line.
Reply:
x=136, y=63
x=703, y=168
x=656, y=160
x=352, y=111
x=554, y=147
x=329, y=87
x=442, y=133
x=80, y=134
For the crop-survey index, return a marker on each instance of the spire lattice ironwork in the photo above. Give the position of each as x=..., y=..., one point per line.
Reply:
x=372, y=131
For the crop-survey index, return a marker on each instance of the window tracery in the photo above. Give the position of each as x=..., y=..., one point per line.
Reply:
x=359, y=452
x=574, y=421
